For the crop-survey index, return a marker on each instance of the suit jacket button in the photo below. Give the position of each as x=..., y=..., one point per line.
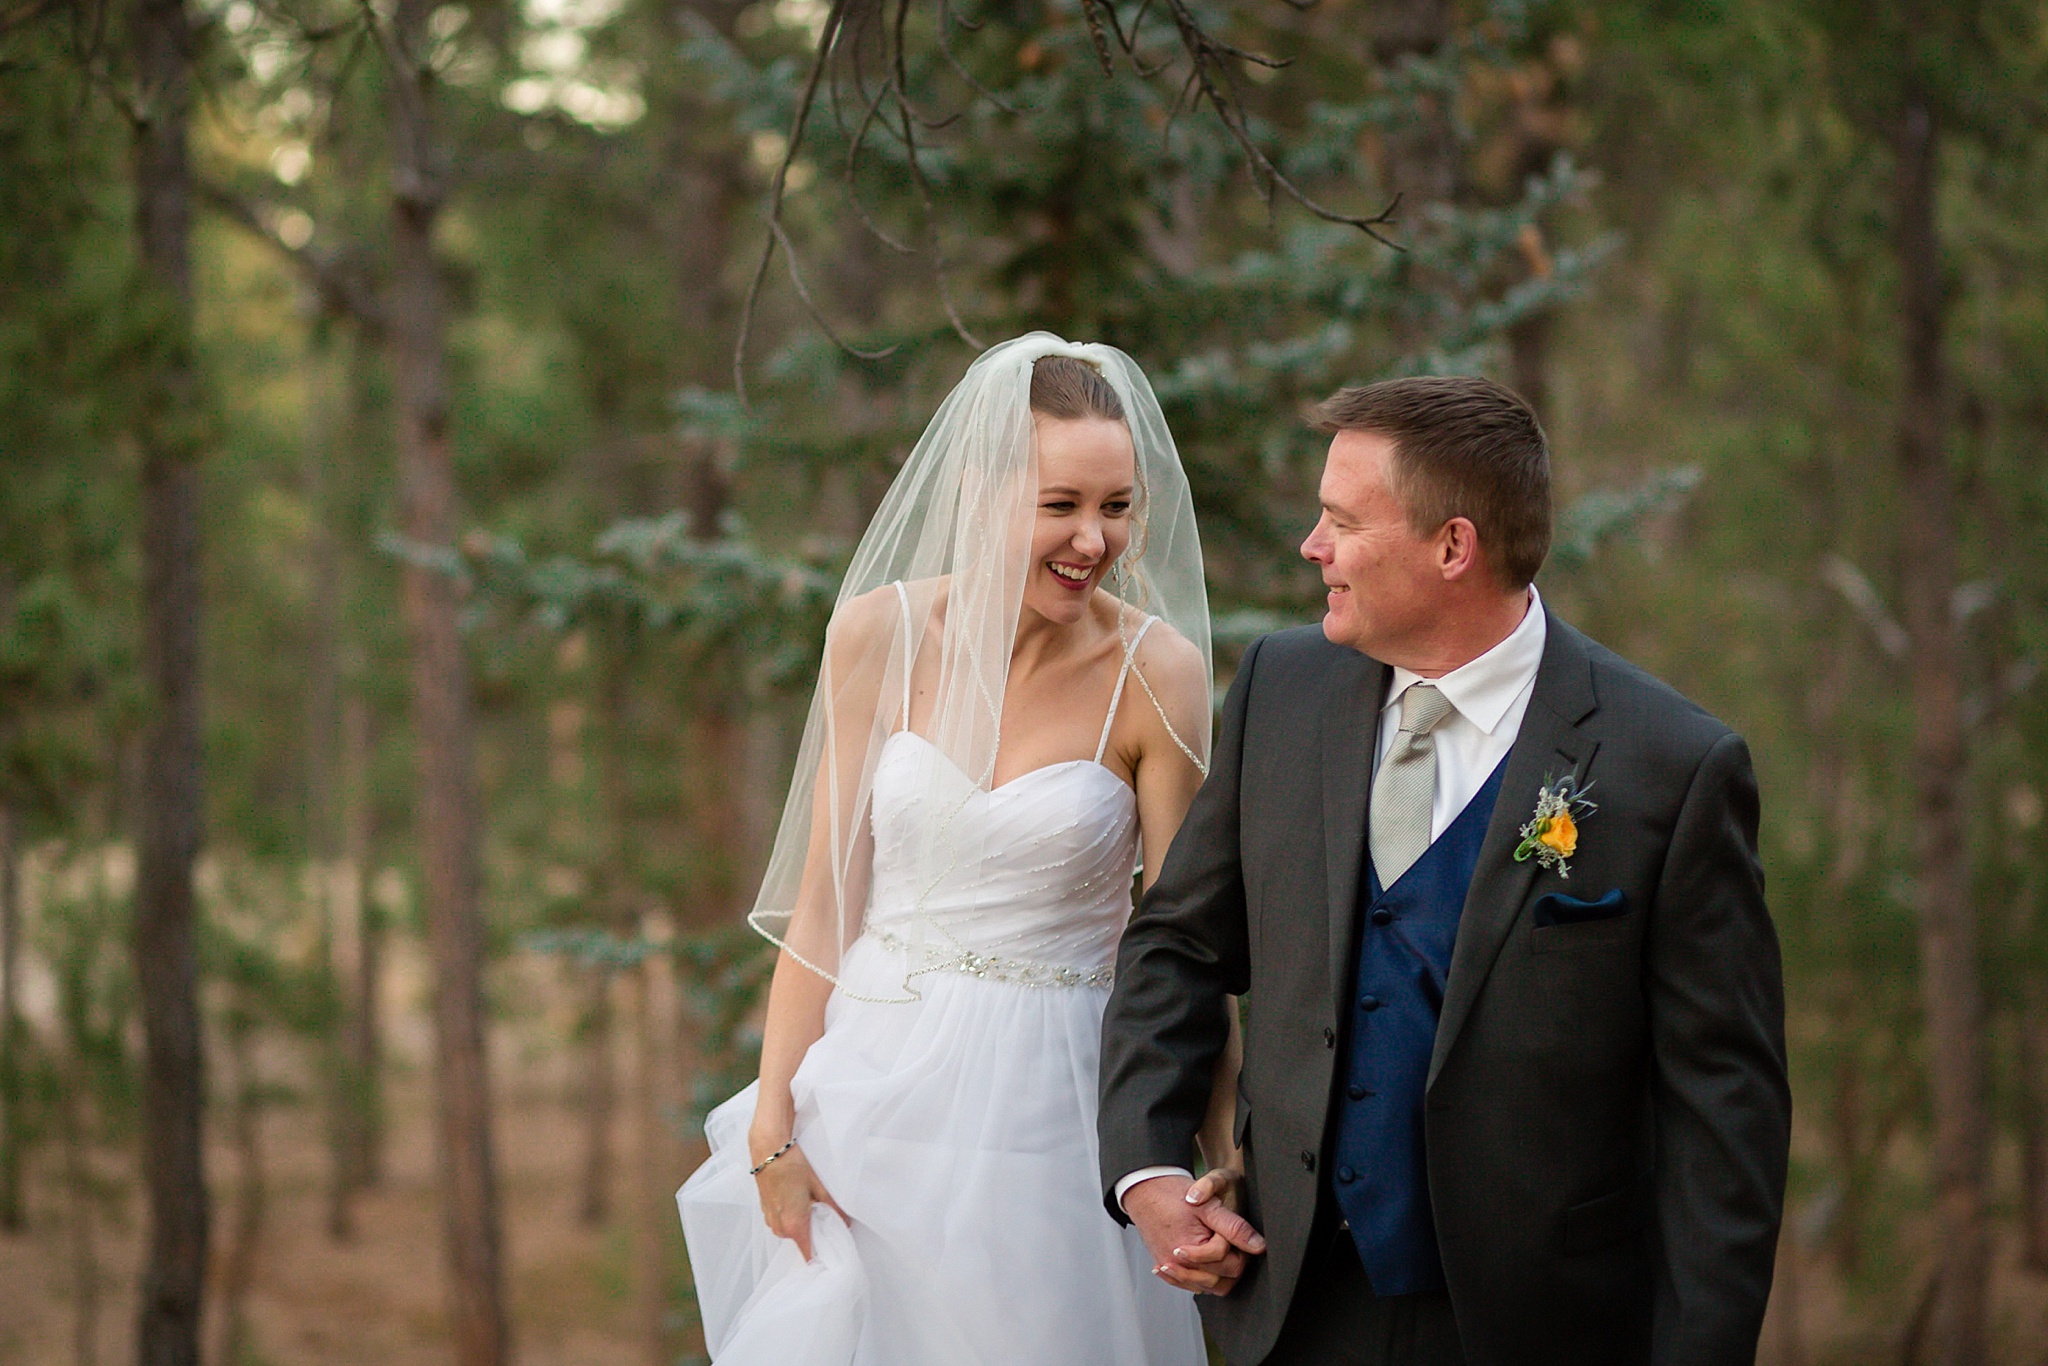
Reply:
x=1308, y=1159
x=1356, y=1092
x=1329, y=1037
x=1346, y=1175
x=1368, y=1003
x=1382, y=916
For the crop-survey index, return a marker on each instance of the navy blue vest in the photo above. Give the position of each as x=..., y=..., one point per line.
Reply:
x=1381, y=1175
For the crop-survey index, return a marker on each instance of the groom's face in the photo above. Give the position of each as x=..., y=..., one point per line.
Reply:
x=1384, y=581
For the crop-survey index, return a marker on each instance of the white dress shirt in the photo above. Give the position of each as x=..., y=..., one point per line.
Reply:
x=1488, y=698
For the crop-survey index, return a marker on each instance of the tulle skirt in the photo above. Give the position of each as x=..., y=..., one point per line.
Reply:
x=958, y=1133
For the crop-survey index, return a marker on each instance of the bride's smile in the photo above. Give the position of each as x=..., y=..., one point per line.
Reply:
x=1083, y=525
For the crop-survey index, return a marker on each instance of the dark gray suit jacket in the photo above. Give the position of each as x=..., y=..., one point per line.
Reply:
x=1607, y=1113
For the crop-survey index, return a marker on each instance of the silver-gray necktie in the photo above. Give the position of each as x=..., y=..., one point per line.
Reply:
x=1405, y=789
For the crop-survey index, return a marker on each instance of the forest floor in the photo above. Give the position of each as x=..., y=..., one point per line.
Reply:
x=378, y=1298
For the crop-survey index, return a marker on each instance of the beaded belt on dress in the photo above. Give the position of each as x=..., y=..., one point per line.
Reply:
x=1019, y=971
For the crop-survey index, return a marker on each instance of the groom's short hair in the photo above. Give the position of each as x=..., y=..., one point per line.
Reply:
x=1463, y=447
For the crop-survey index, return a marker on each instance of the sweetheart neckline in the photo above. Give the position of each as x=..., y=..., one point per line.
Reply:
x=1114, y=776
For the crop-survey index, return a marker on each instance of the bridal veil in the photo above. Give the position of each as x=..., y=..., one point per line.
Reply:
x=942, y=569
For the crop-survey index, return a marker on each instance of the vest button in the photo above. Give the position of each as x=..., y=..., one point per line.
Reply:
x=1308, y=1159
x=1329, y=1037
x=1356, y=1092
x=1368, y=1003
x=1346, y=1175
x=1382, y=916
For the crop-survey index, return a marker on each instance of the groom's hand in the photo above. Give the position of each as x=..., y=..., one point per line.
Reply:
x=1199, y=1245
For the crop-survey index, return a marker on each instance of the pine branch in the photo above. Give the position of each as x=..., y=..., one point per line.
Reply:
x=842, y=45
x=342, y=290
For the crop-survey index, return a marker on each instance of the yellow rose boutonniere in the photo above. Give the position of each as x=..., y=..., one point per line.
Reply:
x=1552, y=835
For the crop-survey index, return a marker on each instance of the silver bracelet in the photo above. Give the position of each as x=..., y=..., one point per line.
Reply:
x=771, y=1157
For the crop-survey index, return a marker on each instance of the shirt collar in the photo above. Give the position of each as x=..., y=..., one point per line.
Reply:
x=1483, y=689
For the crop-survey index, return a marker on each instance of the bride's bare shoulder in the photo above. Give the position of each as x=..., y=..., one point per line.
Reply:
x=1175, y=669
x=1165, y=652
x=877, y=615
x=864, y=615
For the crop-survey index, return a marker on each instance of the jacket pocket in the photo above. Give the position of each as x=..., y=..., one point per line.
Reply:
x=1555, y=908
x=1613, y=930
x=1593, y=1224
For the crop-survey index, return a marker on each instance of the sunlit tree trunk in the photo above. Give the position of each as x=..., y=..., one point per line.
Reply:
x=1951, y=989
x=447, y=812
x=168, y=810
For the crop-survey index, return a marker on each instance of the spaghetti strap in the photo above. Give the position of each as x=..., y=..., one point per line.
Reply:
x=909, y=654
x=1130, y=653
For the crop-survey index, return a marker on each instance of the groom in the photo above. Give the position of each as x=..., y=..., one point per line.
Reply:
x=1514, y=1071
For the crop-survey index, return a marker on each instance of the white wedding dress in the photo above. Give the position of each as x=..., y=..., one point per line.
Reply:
x=958, y=1130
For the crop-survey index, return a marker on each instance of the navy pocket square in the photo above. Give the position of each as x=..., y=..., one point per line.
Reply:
x=1555, y=908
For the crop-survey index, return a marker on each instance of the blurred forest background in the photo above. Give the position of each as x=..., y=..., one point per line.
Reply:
x=405, y=621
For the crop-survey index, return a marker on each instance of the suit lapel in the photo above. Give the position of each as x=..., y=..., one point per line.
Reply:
x=1548, y=746
x=1350, y=716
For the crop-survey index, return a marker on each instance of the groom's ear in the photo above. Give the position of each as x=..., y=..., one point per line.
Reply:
x=1458, y=552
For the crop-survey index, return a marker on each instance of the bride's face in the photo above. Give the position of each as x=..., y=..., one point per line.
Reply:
x=1086, y=472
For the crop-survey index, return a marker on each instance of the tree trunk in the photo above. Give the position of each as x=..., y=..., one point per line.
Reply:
x=1421, y=160
x=618, y=891
x=716, y=805
x=1422, y=156
x=238, y=1262
x=600, y=1098
x=448, y=817
x=11, y=1213
x=1529, y=361
x=1782, y=1331
x=364, y=1115
x=78, y=1185
x=2033, y=1103
x=323, y=687
x=366, y=1051
x=1951, y=992
x=651, y=1207
x=1845, y=1130
x=168, y=812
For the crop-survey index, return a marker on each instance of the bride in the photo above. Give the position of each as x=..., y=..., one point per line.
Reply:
x=912, y=1180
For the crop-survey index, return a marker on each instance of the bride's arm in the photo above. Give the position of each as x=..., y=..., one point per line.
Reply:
x=829, y=900
x=1219, y=1125
x=796, y=994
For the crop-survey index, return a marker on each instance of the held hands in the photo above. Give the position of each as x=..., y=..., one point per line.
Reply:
x=1198, y=1240
x=788, y=1189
